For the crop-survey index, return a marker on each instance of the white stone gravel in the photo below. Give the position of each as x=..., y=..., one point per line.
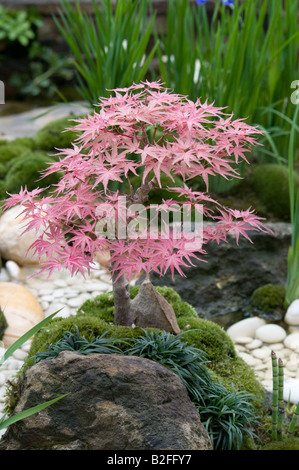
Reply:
x=61, y=291
x=257, y=353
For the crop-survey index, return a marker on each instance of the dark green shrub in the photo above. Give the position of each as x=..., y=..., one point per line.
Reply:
x=26, y=171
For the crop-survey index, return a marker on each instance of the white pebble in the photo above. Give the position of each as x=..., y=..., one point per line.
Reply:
x=254, y=344
x=2, y=379
x=270, y=333
x=2, y=393
x=292, y=366
x=249, y=359
x=60, y=283
x=47, y=298
x=4, y=277
x=262, y=353
x=277, y=346
x=13, y=269
x=13, y=364
x=44, y=304
x=44, y=292
x=64, y=310
x=292, y=341
x=291, y=390
x=246, y=327
x=292, y=314
x=19, y=354
x=267, y=384
x=97, y=286
x=243, y=339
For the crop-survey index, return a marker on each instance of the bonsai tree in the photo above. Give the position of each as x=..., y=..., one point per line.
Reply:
x=140, y=139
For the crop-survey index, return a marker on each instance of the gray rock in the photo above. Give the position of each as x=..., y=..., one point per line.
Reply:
x=149, y=309
x=115, y=402
x=232, y=272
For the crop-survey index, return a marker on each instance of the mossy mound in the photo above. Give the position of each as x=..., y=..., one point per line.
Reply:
x=271, y=184
x=95, y=317
x=3, y=189
x=268, y=298
x=26, y=170
x=26, y=142
x=12, y=150
x=2, y=170
x=54, y=135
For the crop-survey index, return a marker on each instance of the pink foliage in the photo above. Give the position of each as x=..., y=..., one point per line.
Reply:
x=141, y=130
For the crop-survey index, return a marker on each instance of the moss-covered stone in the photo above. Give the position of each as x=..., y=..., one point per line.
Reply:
x=54, y=135
x=26, y=142
x=95, y=317
x=26, y=171
x=268, y=298
x=271, y=184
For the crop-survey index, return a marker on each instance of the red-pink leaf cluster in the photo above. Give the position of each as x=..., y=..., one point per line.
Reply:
x=148, y=131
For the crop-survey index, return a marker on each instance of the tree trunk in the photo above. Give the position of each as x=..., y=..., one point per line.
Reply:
x=122, y=302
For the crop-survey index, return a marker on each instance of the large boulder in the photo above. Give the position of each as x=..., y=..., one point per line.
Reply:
x=225, y=283
x=115, y=402
x=14, y=244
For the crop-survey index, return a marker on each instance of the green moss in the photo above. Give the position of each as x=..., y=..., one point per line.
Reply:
x=53, y=135
x=102, y=306
x=208, y=336
x=26, y=171
x=271, y=184
x=291, y=443
x=3, y=189
x=268, y=298
x=95, y=317
x=26, y=142
x=2, y=170
x=12, y=150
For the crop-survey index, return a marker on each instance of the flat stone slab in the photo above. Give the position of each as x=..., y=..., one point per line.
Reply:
x=28, y=123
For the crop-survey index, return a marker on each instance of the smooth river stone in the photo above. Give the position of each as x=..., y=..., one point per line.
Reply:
x=254, y=344
x=291, y=390
x=292, y=314
x=243, y=340
x=262, y=353
x=249, y=359
x=292, y=341
x=246, y=327
x=270, y=333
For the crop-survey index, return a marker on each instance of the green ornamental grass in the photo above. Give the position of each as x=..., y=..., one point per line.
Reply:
x=111, y=47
